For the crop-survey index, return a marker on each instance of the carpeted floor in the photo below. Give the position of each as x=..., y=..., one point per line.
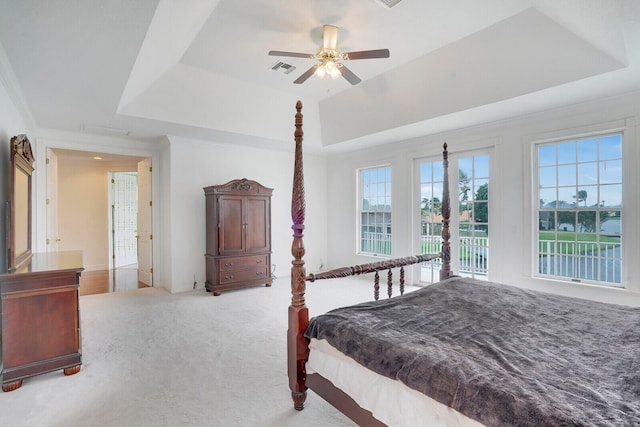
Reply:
x=151, y=358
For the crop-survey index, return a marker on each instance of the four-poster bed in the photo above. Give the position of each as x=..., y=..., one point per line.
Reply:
x=461, y=351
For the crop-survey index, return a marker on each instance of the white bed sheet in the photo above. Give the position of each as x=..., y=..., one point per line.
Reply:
x=390, y=401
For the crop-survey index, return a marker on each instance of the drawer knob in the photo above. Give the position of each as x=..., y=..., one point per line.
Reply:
x=228, y=264
x=258, y=273
x=258, y=261
x=228, y=277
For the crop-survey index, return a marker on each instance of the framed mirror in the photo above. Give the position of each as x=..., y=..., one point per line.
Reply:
x=20, y=201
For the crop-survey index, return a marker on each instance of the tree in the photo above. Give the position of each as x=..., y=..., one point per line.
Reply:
x=568, y=218
x=464, y=180
x=481, y=208
x=463, y=183
x=431, y=205
x=587, y=220
x=582, y=197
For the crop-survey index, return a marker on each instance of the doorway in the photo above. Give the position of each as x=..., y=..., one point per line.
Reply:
x=84, y=213
x=469, y=181
x=123, y=218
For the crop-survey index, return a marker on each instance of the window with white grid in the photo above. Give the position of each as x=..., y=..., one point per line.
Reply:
x=375, y=210
x=579, y=213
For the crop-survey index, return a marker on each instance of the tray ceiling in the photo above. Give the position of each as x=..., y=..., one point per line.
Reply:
x=200, y=69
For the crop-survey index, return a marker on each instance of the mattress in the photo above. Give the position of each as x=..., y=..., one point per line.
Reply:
x=390, y=401
x=499, y=354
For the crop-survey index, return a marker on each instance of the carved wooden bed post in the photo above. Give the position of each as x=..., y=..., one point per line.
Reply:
x=446, y=214
x=297, y=344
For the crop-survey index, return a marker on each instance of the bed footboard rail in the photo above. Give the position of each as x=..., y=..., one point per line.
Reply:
x=375, y=267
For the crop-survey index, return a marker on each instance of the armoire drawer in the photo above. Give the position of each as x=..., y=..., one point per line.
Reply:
x=241, y=275
x=235, y=263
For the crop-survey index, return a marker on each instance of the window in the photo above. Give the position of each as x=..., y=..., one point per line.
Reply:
x=431, y=176
x=375, y=211
x=580, y=209
x=473, y=216
x=470, y=241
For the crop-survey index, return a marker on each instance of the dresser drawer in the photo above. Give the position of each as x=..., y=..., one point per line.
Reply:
x=241, y=275
x=235, y=263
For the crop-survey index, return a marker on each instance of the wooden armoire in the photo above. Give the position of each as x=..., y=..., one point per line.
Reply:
x=238, y=226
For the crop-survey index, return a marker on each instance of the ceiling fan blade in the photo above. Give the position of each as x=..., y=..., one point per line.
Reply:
x=292, y=54
x=348, y=74
x=303, y=78
x=368, y=54
x=329, y=37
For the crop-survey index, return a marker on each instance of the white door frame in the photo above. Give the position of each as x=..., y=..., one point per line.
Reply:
x=91, y=144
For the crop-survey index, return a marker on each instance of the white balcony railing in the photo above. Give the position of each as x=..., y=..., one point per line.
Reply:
x=376, y=243
x=474, y=253
x=583, y=260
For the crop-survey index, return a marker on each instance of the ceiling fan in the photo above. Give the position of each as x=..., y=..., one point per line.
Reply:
x=329, y=57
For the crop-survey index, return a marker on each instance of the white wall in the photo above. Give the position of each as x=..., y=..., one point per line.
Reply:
x=182, y=168
x=198, y=164
x=11, y=123
x=511, y=229
x=186, y=166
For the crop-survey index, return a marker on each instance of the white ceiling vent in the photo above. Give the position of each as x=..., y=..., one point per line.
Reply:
x=390, y=3
x=104, y=130
x=286, y=67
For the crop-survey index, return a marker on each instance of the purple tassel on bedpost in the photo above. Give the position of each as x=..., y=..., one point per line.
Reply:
x=297, y=344
x=446, y=214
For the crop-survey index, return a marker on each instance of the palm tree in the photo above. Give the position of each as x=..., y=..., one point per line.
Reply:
x=582, y=197
x=464, y=180
x=463, y=185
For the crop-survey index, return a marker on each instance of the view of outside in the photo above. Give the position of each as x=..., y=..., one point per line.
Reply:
x=580, y=209
x=472, y=221
x=375, y=211
x=431, y=174
x=473, y=215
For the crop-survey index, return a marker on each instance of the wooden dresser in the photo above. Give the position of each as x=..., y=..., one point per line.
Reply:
x=40, y=317
x=238, y=227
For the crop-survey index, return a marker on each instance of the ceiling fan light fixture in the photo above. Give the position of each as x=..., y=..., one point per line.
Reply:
x=332, y=69
x=328, y=67
x=329, y=58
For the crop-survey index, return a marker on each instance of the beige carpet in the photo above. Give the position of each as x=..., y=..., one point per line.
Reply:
x=190, y=359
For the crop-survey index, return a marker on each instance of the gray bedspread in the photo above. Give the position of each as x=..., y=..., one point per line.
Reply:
x=500, y=354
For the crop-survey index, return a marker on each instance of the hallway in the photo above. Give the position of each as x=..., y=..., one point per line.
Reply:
x=113, y=280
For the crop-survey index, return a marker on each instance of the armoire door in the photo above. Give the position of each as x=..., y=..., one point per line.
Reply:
x=231, y=227
x=258, y=234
